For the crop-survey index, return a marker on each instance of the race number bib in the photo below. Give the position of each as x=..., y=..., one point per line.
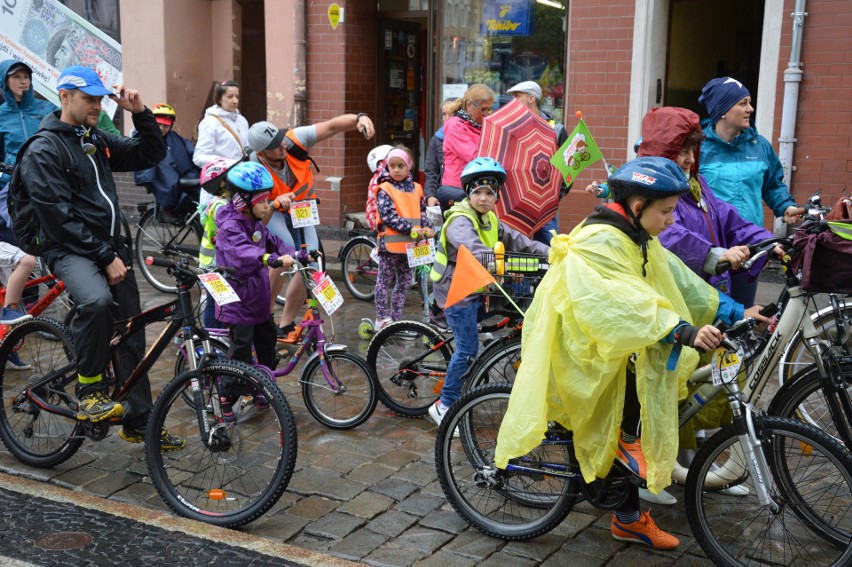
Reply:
x=420, y=253
x=219, y=289
x=374, y=255
x=725, y=366
x=304, y=213
x=328, y=295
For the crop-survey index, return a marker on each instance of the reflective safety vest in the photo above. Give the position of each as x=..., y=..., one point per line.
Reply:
x=407, y=206
x=489, y=239
x=207, y=249
x=299, y=163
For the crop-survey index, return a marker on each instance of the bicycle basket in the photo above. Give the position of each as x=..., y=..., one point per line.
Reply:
x=825, y=260
x=518, y=274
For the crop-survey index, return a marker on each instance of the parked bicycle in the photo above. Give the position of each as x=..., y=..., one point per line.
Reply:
x=359, y=265
x=233, y=467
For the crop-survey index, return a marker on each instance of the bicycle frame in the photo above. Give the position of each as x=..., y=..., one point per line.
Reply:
x=55, y=288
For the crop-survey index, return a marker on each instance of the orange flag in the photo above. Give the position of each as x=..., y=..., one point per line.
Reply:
x=469, y=276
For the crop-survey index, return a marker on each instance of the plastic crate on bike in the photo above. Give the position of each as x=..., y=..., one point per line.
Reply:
x=518, y=274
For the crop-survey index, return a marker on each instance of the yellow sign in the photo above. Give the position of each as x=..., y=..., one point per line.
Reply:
x=334, y=15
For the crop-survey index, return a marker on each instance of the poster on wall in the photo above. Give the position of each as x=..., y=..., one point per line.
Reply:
x=48, y=36
x=506, y=17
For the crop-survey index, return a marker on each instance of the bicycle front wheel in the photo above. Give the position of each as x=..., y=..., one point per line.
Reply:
x=235, y=472
x=35, y=436
x=360, y=271
x=219, y=352
x=410, y=360
x=164, y=240
x=347, y=398
x=518, y=503
x=810, y=485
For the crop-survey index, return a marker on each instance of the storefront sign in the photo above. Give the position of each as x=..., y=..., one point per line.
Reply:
x=48, y=37
x=511, y=17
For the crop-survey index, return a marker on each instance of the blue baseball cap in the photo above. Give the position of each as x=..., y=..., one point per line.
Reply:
x=83, y=78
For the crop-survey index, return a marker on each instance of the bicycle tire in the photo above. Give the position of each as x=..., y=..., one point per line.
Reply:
x=803, y=397
x=498, y=364
x=360, y=272
x=164, y=240
x=409, y=359
x=796, y=356
x=815, y=514
x=36, y=437
x=220, y=351
x=241, y=480
x=355, y=399
x=502, y=504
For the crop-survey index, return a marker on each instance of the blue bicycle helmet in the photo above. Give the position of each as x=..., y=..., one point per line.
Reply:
x=648, y=177
x=249, y=177
x=482, y=171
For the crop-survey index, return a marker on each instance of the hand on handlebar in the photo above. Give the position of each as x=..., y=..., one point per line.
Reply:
x=793, y=214
x=706, y=338
x=735, y=255
x=285, y=261
x=422, y=231
x=754, y=313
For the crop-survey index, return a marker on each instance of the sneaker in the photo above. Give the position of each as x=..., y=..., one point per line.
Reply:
x=168, y=442
x=282, y=332
x=97, y=406
x=382, y=323
x=10, y=315
x=630, y=455
x=643, y=531
x=14, y=362
x=663, y=497
x=437, y=411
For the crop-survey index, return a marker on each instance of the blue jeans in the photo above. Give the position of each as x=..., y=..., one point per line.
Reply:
x=544, y=234
x=463, y=322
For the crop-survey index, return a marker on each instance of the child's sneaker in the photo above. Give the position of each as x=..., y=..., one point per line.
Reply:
x=14, y=362
x=643, y=531
x=10, y=314
x=437, y=411
x=630, y=455
x=663, y=497
x=383, y=322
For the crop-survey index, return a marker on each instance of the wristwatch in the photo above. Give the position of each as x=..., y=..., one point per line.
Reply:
x=358, y=117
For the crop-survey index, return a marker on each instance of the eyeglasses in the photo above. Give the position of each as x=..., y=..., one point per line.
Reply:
x=486, y=109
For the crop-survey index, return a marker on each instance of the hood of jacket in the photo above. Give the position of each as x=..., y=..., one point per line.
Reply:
x=665, y=129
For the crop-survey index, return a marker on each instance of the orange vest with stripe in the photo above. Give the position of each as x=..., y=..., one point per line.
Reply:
x=301, y=168
x=407, y=206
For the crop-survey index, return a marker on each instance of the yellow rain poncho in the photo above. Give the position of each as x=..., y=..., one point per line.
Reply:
x=592, y=310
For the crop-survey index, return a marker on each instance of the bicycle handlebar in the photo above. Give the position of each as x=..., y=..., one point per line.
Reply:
x=756, y=251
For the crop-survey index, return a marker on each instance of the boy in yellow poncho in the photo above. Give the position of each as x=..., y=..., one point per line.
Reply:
x=615, y=309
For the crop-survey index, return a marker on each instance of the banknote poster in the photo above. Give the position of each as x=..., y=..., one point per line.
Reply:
x=48, y=36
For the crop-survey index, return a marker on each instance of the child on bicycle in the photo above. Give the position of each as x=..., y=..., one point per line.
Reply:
x=214, y=181
x=473, y=224
x=607, y=326
x=376, y=162
x=402, y=213
x=244, y=244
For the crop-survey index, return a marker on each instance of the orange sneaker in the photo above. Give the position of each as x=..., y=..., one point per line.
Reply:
x=630, y=455
x=643, y=531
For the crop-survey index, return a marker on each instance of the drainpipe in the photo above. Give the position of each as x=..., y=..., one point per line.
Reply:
x=792, y=79
x=300, y=79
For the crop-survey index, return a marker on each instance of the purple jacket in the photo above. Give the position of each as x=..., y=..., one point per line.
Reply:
x=241, y=243
x=699, y=238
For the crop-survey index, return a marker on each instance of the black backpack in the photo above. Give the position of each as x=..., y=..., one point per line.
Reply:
x=25, y=223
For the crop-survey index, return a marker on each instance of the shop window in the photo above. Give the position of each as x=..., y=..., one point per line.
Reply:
x=501, y=43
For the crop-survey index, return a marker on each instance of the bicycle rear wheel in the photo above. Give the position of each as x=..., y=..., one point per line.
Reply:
x=360, y=271
x=164, y=240
x=498, y=364
x=410, y=360
x=237, y=471
x=33, y=435
x=506, y=504
x=810, y=482
x=349, y=400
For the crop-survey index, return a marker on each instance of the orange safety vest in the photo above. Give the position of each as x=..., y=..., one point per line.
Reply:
x=300, y=164
x=407, y=206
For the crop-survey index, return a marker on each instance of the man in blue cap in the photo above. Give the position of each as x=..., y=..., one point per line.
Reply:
x=67, y=171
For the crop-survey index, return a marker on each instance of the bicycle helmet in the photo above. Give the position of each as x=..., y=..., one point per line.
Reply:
x=249, y=183
x=649, y=177
x=211, y=172
x=164, y=114
x=483, y=171
x=377, y=154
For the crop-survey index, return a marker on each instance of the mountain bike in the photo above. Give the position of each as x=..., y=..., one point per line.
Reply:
x=338, y=387
x=234, y=465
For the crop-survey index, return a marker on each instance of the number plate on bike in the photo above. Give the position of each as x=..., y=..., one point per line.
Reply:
x=219, y=289
x=420, y=253
x=328, y=295
x=304, y=213
x=725, y=366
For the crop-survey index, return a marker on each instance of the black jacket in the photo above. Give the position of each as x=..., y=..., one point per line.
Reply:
x=78, y=209
x=434, y=164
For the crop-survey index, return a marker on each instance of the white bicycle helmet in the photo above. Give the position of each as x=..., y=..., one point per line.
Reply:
x=377, y=154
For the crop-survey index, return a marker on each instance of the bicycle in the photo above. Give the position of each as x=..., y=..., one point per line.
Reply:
x=338, y=387
x=63, y=308
x=234, y=466
x=360, y=268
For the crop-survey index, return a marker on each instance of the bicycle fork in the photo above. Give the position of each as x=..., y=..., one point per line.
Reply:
x=750, y=448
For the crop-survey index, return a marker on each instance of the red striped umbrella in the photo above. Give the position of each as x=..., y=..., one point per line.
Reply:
x=523, y=144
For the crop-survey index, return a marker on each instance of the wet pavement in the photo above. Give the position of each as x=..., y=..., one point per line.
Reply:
x=369, y=495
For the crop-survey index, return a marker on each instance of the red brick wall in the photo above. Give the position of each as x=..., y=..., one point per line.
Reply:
x=341, y=79
x=601, y=49
x=823, y=153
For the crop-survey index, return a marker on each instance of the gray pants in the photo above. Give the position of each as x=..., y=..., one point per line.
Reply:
x=93, y=324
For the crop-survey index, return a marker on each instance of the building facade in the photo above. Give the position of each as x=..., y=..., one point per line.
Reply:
x=304, y=62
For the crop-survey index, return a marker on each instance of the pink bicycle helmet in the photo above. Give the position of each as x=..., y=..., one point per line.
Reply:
x=214, y=169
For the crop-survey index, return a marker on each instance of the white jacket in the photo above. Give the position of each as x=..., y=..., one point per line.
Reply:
x=215, y=141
